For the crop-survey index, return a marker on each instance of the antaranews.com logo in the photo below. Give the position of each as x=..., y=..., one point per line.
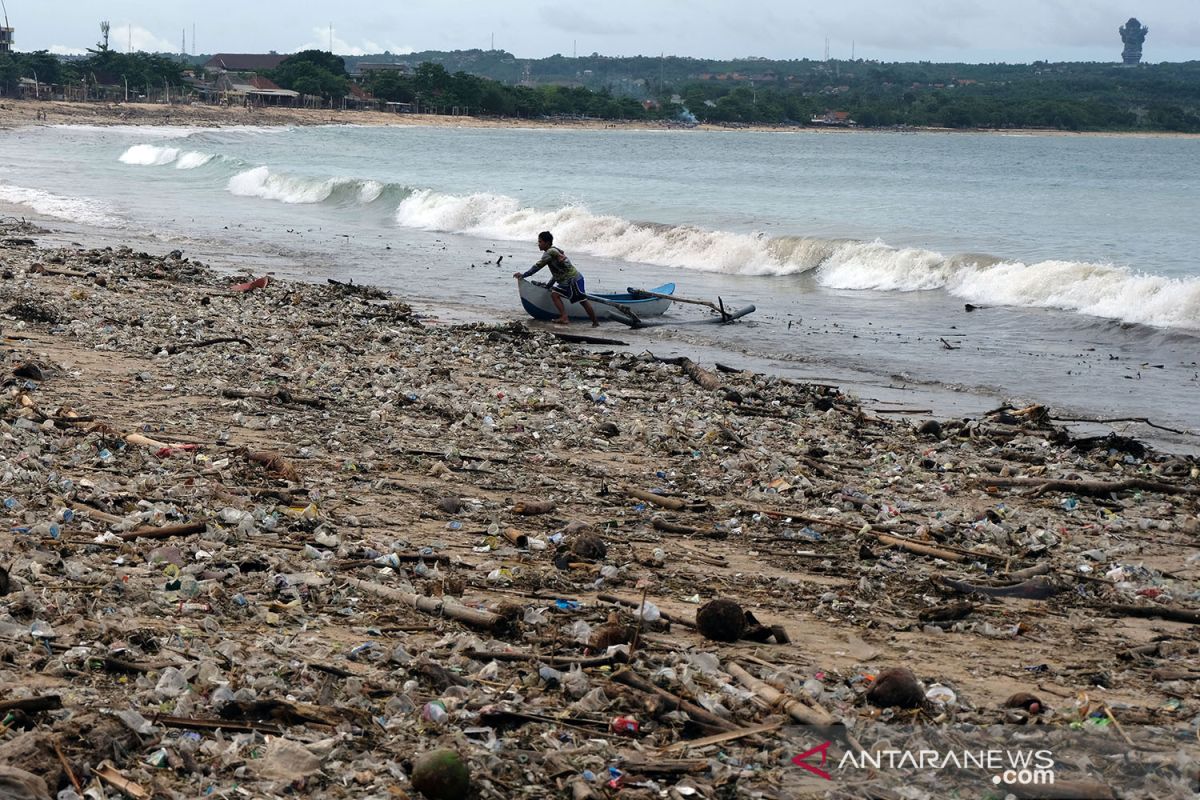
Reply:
x=989, y=760
x=1005, y=766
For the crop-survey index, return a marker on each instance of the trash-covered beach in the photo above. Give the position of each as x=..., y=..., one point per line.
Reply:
x=271, y=539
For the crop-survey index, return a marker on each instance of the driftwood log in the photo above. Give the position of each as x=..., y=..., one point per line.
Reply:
x=1171, y=613
x=164, y=531
x=276, y=463
x=435, y=606
x=1042, y=485
x=804, y=714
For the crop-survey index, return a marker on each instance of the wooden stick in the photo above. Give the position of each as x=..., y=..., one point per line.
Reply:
x=165, y=531
x=434, y=606
x=145, y=441
x=577, y=338
x=672, y=503
x=621, y=601
x=1108, y=713
x=66, y=765
x=531, y=507
x=46, y=702
x=674, y=702
x=172, y=349
x=618, y=657
x=806, y=715
x=1171, y=613
x=106, y=772
x=920, y=549
x=663, y=524
x=97, y=514
x=276, y=463
x=639, y=293
x=718, y=738
x=188, y=723
x=1041, y=485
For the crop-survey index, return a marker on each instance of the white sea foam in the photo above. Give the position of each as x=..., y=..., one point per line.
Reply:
x=609, y=236
x=1100, y=290
x=75, y=209
x=149, y=155
x=193, y=159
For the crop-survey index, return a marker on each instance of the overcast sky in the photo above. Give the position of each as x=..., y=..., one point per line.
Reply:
x=1015, y=31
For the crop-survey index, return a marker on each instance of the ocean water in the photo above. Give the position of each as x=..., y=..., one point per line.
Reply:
x=861, y=250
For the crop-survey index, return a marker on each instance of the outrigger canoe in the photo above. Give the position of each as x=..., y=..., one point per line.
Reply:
x=535, y=297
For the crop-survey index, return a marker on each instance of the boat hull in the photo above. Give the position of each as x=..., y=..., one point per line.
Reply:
x=535, y=298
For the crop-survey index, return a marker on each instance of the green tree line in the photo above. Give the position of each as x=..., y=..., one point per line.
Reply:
x=141, y=72
x=1067, y=96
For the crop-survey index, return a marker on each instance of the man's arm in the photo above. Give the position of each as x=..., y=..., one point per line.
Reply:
x=543, y=261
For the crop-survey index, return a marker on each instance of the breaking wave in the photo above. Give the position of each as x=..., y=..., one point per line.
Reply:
x=150, y=155
x=262, y=183
x=75, y=209
x=1101, y=290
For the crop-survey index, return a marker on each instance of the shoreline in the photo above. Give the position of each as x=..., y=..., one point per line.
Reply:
x=25, y=113
x=306, y=431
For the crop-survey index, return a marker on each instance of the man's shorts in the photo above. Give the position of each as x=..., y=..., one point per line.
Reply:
x=573, y=290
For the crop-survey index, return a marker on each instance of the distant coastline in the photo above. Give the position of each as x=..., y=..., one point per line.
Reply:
x=29, y=113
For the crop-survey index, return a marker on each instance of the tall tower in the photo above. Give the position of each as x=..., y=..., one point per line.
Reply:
x=1133, y=33
x=6, y=33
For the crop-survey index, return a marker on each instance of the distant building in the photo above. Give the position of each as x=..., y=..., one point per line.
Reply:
x=239, y=89
x=837, y=118
x=1133, y=34
x=365, y=68
x=244, y=62
x=6, y=40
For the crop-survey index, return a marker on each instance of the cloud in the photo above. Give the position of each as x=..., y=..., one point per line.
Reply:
x=63, y=50
x=343, y=47
x=127, y=36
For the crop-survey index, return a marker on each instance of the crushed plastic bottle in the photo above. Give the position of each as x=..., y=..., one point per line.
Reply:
x=171, y=683
x=434, y=712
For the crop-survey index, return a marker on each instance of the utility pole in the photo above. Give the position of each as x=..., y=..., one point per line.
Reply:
x=183, y=42
x=493, y=40
x=331, y=38
x=826, y=48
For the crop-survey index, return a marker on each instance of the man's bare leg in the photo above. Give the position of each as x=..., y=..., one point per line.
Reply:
x=562, y=312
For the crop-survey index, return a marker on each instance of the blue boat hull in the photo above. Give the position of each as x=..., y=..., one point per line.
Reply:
x=535, y=298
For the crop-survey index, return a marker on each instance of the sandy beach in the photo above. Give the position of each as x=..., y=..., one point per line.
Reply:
x=18, y=113
x=346, y=534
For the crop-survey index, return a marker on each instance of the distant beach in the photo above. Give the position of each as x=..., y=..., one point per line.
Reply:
x=18, y=113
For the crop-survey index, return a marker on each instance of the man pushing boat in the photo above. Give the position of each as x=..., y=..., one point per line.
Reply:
x=564, y=279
